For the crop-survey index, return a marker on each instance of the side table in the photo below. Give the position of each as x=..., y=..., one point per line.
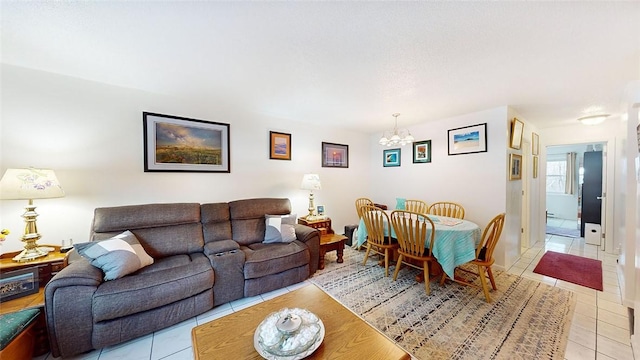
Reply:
x=47, y=266
x=329, y=240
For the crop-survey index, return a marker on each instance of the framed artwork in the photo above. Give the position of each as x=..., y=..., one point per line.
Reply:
x=279, y=146
x=422, y=152
x=535, y=144
x=335, y=155
x=173, y=143
x=320, y=210
x=391, y=157
x=18, y=283
x=468, y=139
x=517, y=127
x=535, y=167
x=515, y=167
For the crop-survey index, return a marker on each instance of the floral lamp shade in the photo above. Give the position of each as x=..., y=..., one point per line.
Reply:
x=30, y=183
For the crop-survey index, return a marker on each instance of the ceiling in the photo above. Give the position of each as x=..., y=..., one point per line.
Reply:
x=351, y=64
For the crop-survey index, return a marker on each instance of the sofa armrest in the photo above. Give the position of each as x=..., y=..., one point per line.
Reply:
x=68, y=300
x=311, y=237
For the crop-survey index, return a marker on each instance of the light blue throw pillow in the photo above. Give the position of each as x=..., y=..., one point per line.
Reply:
x=400, y=204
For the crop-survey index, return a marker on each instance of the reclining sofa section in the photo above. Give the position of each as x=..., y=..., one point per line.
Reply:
x=204, y=255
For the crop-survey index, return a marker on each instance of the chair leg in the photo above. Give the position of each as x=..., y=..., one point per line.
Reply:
x=483, y=281
x=493, y=281
x=398, y=265
x=444, y=277
x=425, y=268
x=386, y=262
x=366, y=254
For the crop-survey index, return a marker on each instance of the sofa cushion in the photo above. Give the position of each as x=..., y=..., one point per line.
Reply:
x=247, y=217
x=266, y=259
x=116, y=257
x=166, y=281
x=279, y=228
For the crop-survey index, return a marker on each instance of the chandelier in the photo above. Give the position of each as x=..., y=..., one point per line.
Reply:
x=396, y=136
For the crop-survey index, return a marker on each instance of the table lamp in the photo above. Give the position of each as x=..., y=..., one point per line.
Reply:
x=29, y=184
x=311, y=182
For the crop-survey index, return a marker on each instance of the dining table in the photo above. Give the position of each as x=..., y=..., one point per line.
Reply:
x=454, y=244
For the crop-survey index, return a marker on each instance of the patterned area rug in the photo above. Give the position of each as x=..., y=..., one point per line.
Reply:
x=526, y=319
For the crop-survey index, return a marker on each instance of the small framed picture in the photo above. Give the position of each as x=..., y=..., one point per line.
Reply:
x=535, y=144
x=391, y=157
x=515, y=167
x=320, y=210
x=517, y=127
x=18, y=283
x=279, y=146
x=335, y=155
x=422, y=152
x=535, y=167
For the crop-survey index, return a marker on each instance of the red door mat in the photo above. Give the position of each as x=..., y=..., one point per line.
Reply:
x=574, y=269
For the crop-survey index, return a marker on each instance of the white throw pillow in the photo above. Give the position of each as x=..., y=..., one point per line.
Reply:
x=118, y=256
x=279, y=228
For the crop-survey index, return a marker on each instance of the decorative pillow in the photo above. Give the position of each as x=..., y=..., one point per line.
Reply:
x=118, y=256
x=280, y=228
x=400, y=204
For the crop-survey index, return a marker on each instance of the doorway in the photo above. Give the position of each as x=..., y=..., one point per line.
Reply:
x=565, y=184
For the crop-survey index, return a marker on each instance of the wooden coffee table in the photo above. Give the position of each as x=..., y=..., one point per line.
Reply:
x=346, y=335
x=330, y=242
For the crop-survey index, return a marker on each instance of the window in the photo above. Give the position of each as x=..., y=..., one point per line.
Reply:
x=556, y=176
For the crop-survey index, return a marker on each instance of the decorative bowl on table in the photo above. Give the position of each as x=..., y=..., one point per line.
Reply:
x=289, y=334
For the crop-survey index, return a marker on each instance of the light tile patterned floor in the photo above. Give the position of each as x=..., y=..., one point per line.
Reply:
x=600, y=326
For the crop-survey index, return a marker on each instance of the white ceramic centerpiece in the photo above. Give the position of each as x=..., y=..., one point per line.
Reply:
x=289, y=334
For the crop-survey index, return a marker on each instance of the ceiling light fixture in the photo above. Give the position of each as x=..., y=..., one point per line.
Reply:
x=395, y=136
x=593, y=119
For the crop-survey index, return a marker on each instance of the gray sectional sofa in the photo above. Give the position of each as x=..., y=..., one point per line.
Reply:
x=204, y=255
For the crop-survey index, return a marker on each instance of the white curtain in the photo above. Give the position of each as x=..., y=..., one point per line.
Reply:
x=569, y=185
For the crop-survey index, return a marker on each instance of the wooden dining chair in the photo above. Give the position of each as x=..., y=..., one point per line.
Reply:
x=484, y=257
x=413, y=231
x=375, y=220
x=447, y=208
x=418, y=206
x=362, y=201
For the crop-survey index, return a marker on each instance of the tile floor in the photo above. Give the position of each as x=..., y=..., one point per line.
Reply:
x=599, y=330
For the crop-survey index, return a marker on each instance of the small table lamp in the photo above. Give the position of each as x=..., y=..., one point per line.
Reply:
x=311, y=182
x=29, y=184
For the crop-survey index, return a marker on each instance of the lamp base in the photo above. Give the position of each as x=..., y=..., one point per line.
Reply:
x=31, y=254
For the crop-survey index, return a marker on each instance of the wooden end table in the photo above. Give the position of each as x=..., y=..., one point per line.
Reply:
x=330, y=242
x=47, y=267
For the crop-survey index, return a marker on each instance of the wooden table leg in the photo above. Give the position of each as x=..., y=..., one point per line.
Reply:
x=340, y=252
x=321, y=260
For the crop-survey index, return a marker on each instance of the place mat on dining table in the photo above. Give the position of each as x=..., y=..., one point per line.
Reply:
x=455, y=321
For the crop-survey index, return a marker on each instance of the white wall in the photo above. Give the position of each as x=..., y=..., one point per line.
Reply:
x=477, y=181
x=91, y=135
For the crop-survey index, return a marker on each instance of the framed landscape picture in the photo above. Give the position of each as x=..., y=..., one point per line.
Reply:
x=391, y=157
x=468, y=139
x=173, y=143
x=422, y=152
x=335, y=155
x=279, y=146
